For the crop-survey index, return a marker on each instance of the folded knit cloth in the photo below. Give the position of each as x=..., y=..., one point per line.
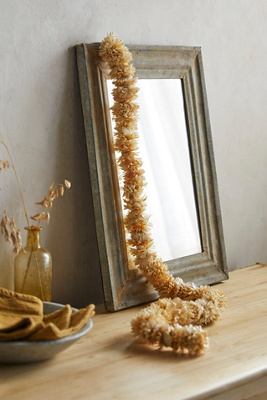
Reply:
x=21, y=317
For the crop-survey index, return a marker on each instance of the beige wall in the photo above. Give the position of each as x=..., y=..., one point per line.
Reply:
x=41, y=117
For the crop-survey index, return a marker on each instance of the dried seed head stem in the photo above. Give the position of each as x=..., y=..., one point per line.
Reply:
x=8, y=228
x=11, y=233
x=17, y=178
x=54, y=192
x=4, y=165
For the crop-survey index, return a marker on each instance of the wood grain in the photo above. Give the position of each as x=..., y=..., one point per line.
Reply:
x=109, y=364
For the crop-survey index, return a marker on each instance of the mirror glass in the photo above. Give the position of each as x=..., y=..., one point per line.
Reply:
x=176, y=148
x=164, y=150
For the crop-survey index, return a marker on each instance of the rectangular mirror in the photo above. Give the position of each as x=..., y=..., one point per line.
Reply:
x=176, y=148
x=164, y=150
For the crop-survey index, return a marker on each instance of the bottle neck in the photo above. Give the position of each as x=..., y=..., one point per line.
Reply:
x=33, y=238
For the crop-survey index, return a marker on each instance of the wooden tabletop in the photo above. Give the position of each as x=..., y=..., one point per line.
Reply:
x=109, y=364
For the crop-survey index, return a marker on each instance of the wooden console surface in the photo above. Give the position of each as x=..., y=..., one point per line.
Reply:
x=109, y=364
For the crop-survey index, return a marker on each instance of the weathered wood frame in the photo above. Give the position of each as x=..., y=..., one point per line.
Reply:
x=123, y=287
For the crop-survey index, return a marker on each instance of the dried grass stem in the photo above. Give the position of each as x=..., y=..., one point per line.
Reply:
x=17, y=178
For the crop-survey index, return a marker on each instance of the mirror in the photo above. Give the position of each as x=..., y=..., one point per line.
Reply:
x=164, y=150
x=176, y=149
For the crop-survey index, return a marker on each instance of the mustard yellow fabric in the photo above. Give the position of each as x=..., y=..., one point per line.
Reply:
x=21, y=317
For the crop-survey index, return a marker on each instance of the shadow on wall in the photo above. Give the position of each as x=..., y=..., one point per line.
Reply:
x=72, y=238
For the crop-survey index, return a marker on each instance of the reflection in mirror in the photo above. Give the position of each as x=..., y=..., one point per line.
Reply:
x=164, y=150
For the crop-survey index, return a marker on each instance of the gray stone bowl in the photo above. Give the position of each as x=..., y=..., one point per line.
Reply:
x=22, y=351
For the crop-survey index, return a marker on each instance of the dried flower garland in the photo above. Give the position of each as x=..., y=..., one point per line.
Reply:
x=171, y=320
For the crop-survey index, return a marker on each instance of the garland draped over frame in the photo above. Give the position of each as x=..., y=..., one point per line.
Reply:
x=175, y=319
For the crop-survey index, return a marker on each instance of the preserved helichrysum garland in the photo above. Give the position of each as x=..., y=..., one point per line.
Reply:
x=175, y=320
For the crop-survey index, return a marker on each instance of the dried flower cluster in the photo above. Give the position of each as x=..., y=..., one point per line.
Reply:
x=167, y=322
x=53, y=192
x=4, y=165
x=11, y=232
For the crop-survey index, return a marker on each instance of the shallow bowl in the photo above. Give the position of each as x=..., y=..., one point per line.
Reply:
x=22, y=351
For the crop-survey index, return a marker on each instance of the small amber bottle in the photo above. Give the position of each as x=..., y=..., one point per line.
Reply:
x=33, y=267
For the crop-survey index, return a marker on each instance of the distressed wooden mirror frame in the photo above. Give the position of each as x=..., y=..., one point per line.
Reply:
x=124, y=287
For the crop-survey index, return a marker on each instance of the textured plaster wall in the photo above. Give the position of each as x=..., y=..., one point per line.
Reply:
x=41, y=119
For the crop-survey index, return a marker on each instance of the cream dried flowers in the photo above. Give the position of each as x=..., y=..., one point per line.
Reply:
x=175, y=320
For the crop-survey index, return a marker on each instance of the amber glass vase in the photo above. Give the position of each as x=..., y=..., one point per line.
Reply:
x=33, y=267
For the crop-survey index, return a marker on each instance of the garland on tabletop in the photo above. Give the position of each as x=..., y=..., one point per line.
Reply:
x=175, y=319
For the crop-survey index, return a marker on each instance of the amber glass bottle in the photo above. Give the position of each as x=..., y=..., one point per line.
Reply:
x=33, y=267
